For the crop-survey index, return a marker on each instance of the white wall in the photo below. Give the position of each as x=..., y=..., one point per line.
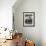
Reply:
x=43, y=22
x=33, y=33
x=6, y=13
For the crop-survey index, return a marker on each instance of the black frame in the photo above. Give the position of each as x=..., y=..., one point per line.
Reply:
x=31, y=22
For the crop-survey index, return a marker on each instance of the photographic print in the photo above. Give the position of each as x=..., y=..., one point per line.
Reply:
x=28, y=19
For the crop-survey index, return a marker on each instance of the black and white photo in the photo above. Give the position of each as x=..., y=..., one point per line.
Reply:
x=28, y=19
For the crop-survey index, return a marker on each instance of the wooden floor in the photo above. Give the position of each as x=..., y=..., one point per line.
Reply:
x=9, y=43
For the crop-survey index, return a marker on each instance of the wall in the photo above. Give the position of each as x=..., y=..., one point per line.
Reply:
x=6, y=13
x=33, y=33
x=43, y=22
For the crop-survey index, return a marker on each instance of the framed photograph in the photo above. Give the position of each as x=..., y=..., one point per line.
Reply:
x=28, y=19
